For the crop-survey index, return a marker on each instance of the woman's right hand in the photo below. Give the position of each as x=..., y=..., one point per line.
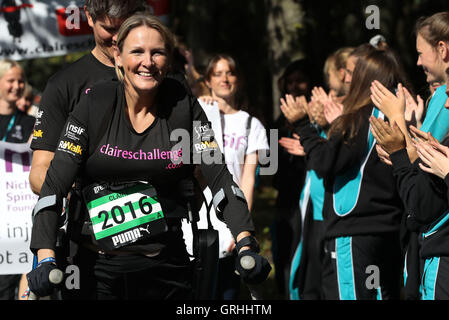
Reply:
x=294, y=109
x=332, y=110
x=435, y=158
x=421, y=136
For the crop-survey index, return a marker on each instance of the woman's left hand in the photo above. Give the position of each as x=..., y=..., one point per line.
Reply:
x=292, y=145
x=435, y=158
x=383, y=155
x=390, y=138
x=421, y=136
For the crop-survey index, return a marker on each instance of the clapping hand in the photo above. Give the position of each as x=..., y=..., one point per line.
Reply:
x=316, y=113
x=294, y=109
x=292, y=145
x=383, y=155
x=320, y=95
x=390, y=138
x=390, y=104
x=413, y=109
x=435, y=158
x=421, y=136
x=332, y=110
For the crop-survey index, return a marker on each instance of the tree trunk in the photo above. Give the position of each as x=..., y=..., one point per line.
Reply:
x=285, y=31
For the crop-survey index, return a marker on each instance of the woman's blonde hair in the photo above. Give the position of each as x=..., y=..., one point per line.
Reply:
x=150, y=21
x=8, y=64
x=337, y=60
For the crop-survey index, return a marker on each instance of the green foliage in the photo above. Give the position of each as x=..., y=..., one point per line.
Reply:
x=38, y=71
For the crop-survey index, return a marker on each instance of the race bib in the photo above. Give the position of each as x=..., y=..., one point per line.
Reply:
x=122, y=214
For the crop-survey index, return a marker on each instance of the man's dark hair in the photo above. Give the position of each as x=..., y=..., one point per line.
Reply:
x=114, y=8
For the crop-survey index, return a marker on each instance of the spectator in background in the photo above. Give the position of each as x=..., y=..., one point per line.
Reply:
x=323, y=109
x=16, y=127
x=334, y=72
x=185, y=64
x=25, y=103
x=289, y=179
x=241, y=137
x=359, y=52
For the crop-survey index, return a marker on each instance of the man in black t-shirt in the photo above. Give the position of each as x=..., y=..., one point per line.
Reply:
x=64, y=89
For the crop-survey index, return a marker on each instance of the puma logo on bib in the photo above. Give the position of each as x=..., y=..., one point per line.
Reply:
x=126, y=237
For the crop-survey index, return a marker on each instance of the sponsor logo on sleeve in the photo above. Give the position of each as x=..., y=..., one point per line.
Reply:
x=203, y=131
x=70, y=147
x=38, y=134
x=39, y=115
x=73, y=132
x=205, y=146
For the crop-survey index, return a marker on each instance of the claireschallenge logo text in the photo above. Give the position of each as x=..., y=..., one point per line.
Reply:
x=155, y=154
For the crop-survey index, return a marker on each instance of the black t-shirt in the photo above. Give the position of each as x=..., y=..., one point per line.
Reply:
x=21, y=128
x=62, y=94
x=118, y=153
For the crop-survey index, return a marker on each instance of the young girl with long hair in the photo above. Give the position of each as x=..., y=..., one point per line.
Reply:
x=240, y=137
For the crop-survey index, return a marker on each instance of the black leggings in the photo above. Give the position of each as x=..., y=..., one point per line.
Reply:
x=132, y=277
x=8, y=286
